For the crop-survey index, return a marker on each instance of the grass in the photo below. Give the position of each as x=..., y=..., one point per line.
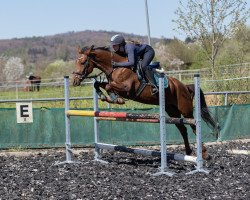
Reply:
x=86, y=90
x=58, y=92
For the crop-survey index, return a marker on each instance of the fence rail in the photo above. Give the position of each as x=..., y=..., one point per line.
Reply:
x=11, y=92
x=234, y=71
x=225, y=93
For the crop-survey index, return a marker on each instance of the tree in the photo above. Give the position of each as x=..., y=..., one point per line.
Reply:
x=176, y=55
x=211, y=22
x=63, y=52
x=242, y=36
x=13, y=69
x=58, y=68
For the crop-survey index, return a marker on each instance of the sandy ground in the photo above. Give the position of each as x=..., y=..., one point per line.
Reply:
x=33, y=175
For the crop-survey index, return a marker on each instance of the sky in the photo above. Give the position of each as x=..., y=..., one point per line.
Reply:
x=28, y=18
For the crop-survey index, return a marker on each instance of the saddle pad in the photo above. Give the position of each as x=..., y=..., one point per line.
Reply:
x=156, y=76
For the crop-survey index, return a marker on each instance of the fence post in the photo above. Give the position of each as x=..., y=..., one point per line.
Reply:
x=16, y=91
x=199, y=161
x=67, y=120
x=225, y=101
x=164, y=168
x=69, y=153
x=96, y=128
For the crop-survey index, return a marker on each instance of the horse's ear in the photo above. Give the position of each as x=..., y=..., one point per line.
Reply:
x=84, y=50
x=88, y=51
x=79, y=50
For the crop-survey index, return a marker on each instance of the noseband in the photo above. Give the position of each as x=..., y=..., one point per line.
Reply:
x=83, y=75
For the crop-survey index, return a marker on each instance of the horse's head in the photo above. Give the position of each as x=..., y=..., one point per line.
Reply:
x=83, y=65
x=90, y=58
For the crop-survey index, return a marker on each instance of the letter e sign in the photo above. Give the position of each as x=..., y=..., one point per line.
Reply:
x=24, y=112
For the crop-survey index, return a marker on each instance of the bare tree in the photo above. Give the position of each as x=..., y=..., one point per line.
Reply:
x=210, y=22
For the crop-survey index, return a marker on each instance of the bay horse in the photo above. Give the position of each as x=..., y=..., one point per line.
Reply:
x=122, y=83
x=35, y=82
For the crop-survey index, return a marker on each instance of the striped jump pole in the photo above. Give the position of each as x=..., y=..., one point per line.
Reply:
x=130, y=117
x=145, y=152
x=169, y=120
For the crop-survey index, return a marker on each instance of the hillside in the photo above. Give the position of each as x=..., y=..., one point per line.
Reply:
x=35, y=54
x=60, y=46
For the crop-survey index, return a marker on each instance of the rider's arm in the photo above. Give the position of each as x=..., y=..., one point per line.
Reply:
x=131, y=57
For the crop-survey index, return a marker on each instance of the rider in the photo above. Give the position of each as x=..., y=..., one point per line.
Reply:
x=134, y=52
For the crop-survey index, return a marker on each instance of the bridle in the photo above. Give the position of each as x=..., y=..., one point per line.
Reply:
x=83, y=75
x=86, y=65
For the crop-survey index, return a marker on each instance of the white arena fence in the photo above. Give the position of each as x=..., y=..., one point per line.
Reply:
x=229, y=72
x=16, y=89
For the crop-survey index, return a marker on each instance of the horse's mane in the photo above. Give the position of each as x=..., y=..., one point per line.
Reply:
x=103, y=48
x=106, y=48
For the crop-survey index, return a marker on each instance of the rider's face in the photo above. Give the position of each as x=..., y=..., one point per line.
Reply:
x=116, y=47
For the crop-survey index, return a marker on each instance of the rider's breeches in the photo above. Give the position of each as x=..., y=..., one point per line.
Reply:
x=147, y=57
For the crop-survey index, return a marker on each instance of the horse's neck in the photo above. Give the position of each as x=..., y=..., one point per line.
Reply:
x=118, y=58
x=105, y=59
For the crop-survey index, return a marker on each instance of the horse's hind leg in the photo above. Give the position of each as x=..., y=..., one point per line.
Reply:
x=205, y=154
x=174, y=112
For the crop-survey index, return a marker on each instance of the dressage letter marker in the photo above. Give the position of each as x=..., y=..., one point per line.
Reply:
x=24, y=112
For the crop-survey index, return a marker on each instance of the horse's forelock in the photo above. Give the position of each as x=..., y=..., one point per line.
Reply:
x=84, y=49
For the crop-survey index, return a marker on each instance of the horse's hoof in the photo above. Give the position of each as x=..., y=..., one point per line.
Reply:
x=103, y=98
x=120, y=101
x=207, y=157
x=109, y=100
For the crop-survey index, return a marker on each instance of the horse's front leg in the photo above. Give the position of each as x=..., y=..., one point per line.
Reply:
x=112, y=98
x=97, y=86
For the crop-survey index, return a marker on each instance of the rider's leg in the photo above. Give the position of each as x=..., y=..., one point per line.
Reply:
x=151, y=79
x=147, y=58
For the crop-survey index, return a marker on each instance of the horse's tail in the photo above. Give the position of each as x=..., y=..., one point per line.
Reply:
x=205, y=113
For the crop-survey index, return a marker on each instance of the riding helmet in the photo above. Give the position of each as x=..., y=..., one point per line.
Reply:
x=117, y=39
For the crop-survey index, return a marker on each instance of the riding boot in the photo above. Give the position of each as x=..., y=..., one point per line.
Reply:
x=151, y=79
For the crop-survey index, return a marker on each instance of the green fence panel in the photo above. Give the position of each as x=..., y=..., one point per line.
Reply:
x=82, y=130
x=135, y=133
x=48, y=128
x=234, y=121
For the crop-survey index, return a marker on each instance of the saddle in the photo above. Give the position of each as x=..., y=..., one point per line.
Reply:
x=147, y=79
x=139, y=72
